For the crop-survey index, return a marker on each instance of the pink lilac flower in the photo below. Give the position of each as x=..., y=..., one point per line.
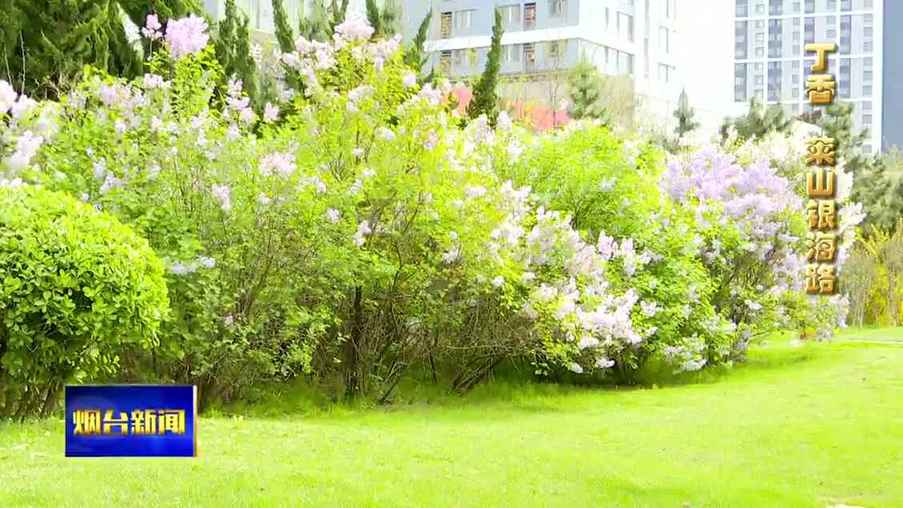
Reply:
x=282, y=164
x=152, y=27
x=354, y=28
x=186, y=36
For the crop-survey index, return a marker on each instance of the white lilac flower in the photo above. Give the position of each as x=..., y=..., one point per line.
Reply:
x=206, y=262
x=7, y=96
x=385, y=134
x=474, y=192
x=22, y=107
x=498, y=282
x=153, y=81
x=363, y=230
x=409, y=80
x=587, y=341
x=27, y=146
x=649, y=309
x=279, y=163
x=604, y=363
x=229, y=320
x=263, y=199
x=223, y=194
x=451, y=255
x=270, y=113
x=333, y=215
x=575, y=368
x=186, y=36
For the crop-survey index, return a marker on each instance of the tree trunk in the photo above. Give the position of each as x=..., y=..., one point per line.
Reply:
x=352, y=381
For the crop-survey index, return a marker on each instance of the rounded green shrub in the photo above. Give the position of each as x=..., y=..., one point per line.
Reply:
x=75, y=286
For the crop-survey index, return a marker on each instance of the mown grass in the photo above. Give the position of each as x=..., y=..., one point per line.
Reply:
x=797, y=425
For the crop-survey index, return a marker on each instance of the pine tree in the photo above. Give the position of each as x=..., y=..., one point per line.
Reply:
x=284, y=34
x=758, y=121
x=836, y=122
x=485, y=99
x=585, y=91
x=685, y=116
x=415, y=55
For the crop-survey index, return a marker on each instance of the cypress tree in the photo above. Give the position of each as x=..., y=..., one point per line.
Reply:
x=585, y=92
x=317, y=26
x=233, y=50
x=385, y=21
x=45, y=44
x=485, y=99
x=284, y=33
x=415, y=56
x=685, y=116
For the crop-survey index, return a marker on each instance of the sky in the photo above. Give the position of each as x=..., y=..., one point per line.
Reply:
x=706, y=54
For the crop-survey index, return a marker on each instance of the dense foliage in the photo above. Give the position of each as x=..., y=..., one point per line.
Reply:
x=76, y=286
x=357, y=230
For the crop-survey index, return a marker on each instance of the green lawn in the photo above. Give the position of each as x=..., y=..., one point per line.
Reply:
x=798, y=425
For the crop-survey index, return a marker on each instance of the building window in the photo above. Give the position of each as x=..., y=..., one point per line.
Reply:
x=510, y=15
x=625, y=26
x=558, y=8
x=445, y=62
x=529, y=16
x=511, y=53
x=556, y=49
x=463, y=21
x=458, y=57
x=445, y=25
x=664, y=73
x=529, y=56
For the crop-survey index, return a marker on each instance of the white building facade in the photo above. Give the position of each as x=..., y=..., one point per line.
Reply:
x=771, y=64
x=545, y=38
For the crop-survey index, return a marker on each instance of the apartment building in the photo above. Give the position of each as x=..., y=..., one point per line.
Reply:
x=771, y=64
x=546, y=38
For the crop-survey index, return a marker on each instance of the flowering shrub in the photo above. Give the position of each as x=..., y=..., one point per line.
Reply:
x=355, y=229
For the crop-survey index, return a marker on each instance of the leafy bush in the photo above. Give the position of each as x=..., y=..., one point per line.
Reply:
x=75, y=286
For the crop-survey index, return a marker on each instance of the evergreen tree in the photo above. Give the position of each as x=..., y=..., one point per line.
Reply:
x=338, y=10
x=284, y=34
x=415, y=56
x=316, y=27
x=836, y=122
x=45, y=44
x=485, y=99
x=685, y=116
x=585, y=92
x=233, y=50
x=758, y=121
x=385, y=21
